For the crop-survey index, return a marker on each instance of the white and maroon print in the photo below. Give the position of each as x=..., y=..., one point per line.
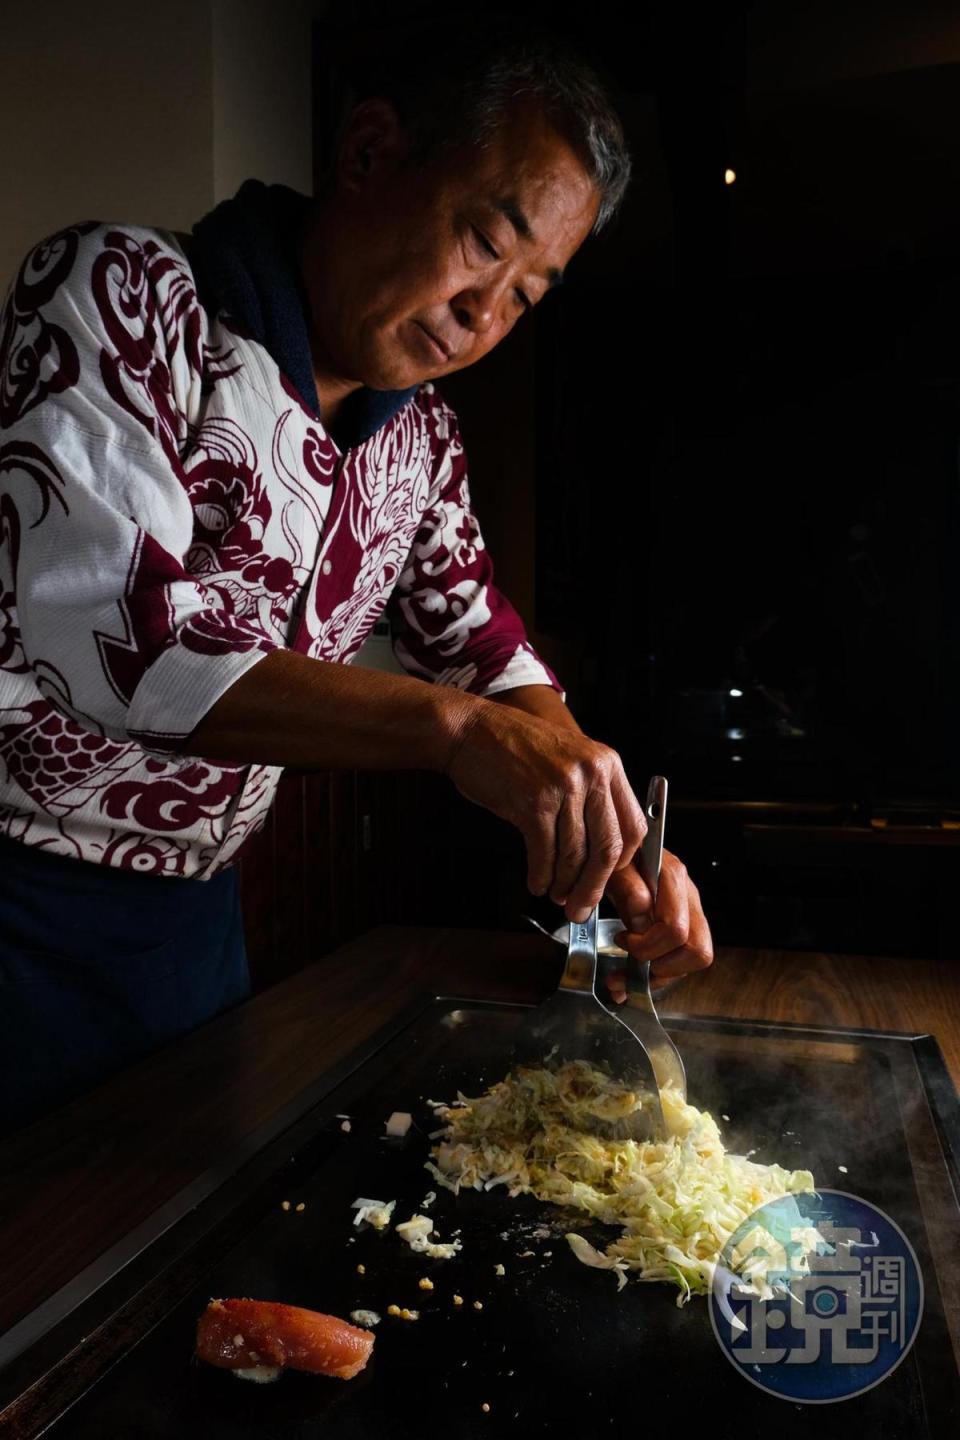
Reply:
x=169, y=514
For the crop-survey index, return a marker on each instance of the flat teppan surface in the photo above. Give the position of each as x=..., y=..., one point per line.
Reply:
x=553, y=1343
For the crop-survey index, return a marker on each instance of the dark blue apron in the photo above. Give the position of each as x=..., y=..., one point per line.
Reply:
x=99, y=966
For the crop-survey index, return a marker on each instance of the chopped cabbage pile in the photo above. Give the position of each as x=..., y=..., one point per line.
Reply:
x=677, y=1201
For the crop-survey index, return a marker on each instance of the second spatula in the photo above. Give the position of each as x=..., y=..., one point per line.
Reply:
x=573, y=1025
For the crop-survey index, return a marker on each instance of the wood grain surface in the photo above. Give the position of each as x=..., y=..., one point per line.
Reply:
x=73, y=1184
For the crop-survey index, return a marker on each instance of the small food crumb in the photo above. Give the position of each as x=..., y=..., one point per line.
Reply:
x=366, y=1318
x=499, y=1270
x=406, y=1314
x=485, y=1408
x=425, y=1283
x=374, y=1212
x=345, y=1126
x=547, y=1254
x=478, y=1304
x=238, y=1341
x=399, y=1123
x=285, y=1205
x=300, y=1207
x=361, y=1269
x=259, y=1374
x=725, y=1117
x=393, y=1309
x=458, y=1299
x=526, y=1254
x=843, y=1168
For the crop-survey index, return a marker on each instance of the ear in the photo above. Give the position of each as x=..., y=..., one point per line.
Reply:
x=372, y=144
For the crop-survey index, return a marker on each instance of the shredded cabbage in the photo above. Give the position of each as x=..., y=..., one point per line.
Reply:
x=677, y=1201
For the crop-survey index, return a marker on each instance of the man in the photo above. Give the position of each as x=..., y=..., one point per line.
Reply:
x=222, y=456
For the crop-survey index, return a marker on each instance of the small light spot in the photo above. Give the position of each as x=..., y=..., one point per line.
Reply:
x=458, y=1299
x=300, y=1207
x=728, y=178
x=285, y=1205
x=425, y=1283
x=326, y=567
x=485, y=1408
x=478, y=1304
x=361, y=1269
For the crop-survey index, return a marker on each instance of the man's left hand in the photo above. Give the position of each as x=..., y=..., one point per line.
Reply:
x=675, y=937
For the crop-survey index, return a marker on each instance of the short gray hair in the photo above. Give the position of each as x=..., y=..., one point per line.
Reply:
x=454, y=81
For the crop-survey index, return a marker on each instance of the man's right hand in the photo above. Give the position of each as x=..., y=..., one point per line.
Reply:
x=566, y=794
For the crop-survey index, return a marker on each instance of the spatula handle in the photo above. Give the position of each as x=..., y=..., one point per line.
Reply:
x=580, y=971
x=650, y=857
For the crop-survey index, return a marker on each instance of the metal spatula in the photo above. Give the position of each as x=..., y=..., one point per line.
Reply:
x=573, y=1025
x=637, y=1012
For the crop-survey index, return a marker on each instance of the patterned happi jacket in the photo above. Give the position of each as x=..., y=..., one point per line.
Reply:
x=170, y=513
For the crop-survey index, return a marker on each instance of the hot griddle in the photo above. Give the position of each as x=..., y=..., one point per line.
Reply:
x=554, y=1346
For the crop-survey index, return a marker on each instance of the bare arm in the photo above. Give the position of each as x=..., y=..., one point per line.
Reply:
x=567, y=795
x=540, y=700
x=315, y=715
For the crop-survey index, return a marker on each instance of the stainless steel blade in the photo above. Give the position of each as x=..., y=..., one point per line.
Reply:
x=638, y=1012
x=574, y=1025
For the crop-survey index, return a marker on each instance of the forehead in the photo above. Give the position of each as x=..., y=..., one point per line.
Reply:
x=529, y=163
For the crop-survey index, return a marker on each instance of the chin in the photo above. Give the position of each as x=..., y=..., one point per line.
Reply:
x=400, y=375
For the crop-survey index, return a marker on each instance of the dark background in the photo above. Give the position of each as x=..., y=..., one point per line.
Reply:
x=717, y=471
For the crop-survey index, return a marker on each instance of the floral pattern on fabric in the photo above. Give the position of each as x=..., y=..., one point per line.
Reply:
x=170, y=512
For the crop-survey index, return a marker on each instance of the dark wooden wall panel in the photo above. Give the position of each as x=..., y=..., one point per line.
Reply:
x=342, y=852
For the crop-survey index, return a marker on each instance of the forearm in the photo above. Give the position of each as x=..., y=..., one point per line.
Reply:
x=540, y=700
x=311, y=714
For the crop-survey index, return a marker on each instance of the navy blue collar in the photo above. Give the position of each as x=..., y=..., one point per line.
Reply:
x=245, y=262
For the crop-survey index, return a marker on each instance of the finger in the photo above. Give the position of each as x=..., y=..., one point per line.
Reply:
x=540, y=838
x=628, y=892
x=616, y=981
x=604, y=848
x=697, y=953
x=671, y=915
x=571, y=850
x=630, y=816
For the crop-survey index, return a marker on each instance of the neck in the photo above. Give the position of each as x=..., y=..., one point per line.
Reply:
x=332, y=389
x=331, y=393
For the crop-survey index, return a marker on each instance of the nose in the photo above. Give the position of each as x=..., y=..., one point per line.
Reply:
x=476, y=308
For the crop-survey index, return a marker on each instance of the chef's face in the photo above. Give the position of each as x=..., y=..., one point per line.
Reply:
x=419, y=270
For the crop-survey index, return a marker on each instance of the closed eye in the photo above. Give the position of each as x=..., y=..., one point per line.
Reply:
x=485, y=243
x=491, y=250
